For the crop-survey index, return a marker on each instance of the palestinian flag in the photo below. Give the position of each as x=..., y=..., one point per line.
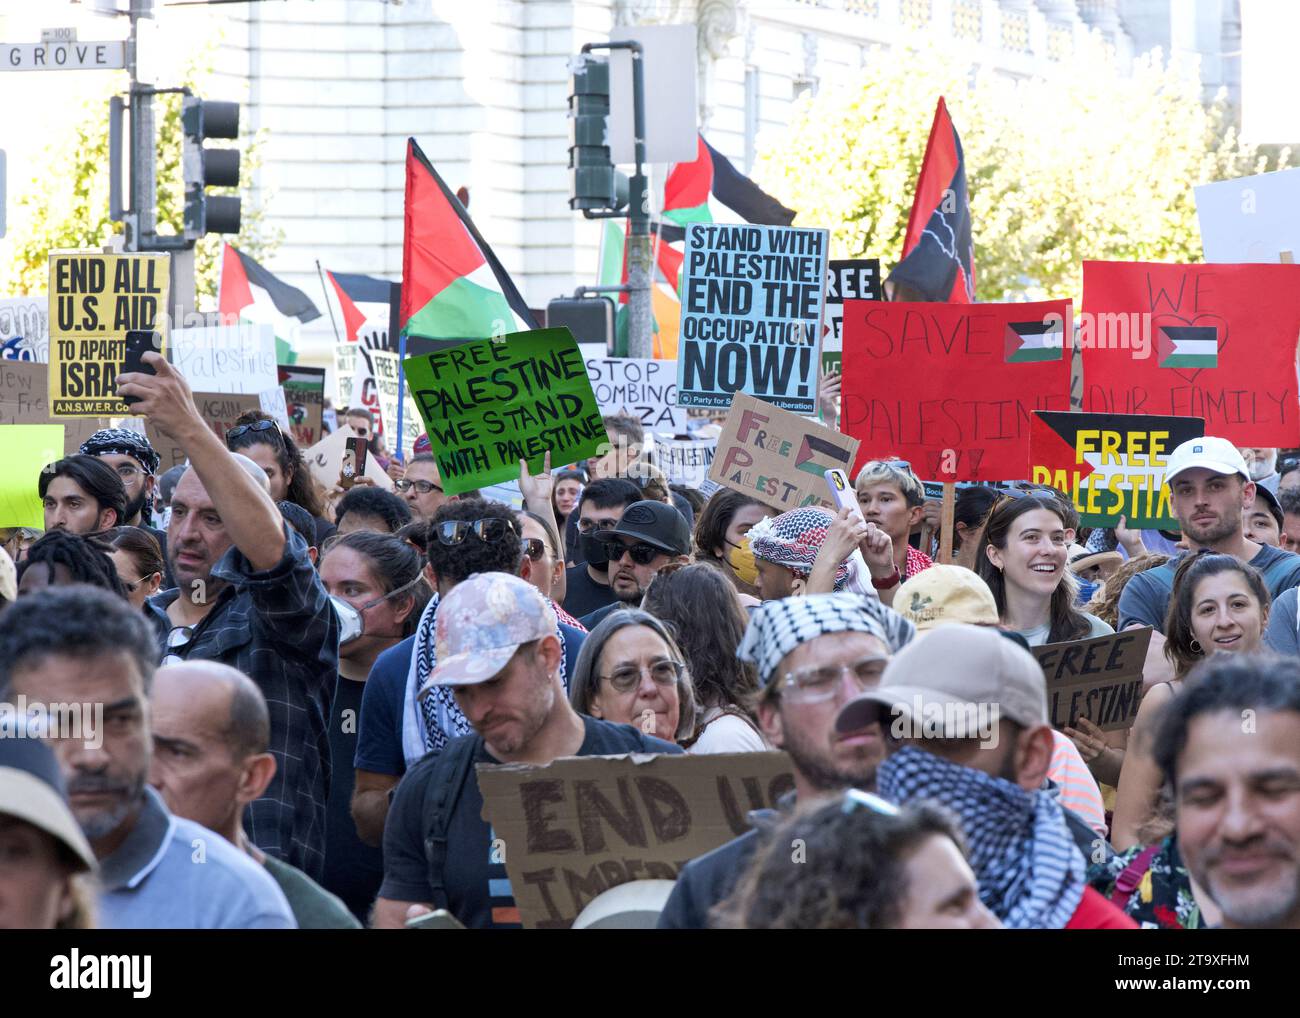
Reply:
x=246, y=292
x=1187, y=346
x=690, y=186
x=665, y=304
x=1027, y=342
x=453, y=287
x=364, y=306
x=938, y=262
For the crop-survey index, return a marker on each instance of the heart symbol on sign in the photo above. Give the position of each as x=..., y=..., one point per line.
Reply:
x=1216, y=322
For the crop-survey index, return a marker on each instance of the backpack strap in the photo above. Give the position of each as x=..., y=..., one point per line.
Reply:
x=1131, y=876
x=442, y=794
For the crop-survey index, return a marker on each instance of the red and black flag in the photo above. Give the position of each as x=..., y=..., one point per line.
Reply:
x=938, y=262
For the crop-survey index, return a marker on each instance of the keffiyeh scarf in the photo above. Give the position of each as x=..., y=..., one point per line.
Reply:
x=429, y=724
x=1030, y=871
x=793, y=539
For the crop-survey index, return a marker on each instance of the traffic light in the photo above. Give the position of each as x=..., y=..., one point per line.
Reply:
x=209, y=167
x=594, y=184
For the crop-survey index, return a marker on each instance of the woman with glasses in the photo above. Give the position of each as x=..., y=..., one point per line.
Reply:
x=258, y=436
x=375, y=583
x=720, y=538
x=139, y=563
x=631, y=672
x=1022, y=557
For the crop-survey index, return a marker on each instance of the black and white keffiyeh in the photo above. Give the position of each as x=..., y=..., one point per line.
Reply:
x=1030, y=871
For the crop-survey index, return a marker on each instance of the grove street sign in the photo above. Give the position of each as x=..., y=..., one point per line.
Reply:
x=63, y=56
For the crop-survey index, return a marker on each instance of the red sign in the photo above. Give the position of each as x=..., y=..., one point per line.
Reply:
x=952, y=388
x=1211, y=341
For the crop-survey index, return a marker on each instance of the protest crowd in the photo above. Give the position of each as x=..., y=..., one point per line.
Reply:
x=866, y=671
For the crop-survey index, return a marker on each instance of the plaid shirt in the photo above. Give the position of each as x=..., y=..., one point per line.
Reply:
x=916, y=561
x=279, y=628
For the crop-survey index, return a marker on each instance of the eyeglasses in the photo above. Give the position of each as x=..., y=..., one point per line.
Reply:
x=256, y=426
x=642, y=554
x=591, y=526
x=178, y=639
x=489, y=531
x=855, y=799
x=128, y=472
x=534, y=548
x=819, y=683
x=626, y=678
x=421, y=487
x=132, y=585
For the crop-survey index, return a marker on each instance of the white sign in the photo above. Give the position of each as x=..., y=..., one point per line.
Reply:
x=227, y=358
x=388, y=384
x=71, y=56
x=58, y=35
x=25, y=328
x=671, y=113
x=1250, y=219
x=685, y=461
x=640, y=388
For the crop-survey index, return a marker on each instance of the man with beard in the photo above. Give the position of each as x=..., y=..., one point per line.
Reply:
x=90, y=650
x=1262, y=465
x=134, y=460
x=248, y=596
x=648, y=537
x=1209, y=489
x=814, y=653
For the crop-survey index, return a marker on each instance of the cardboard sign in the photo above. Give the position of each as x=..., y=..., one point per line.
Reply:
x=778, y=457
x=227, y=358
x=581, y=825
x=751, y=315
x=25, y=328
x=25, y=450
x=326, y=460
x=685, y=460
x=389, y=389
x=1112, y=465
x=345, y=370
x=636, y=387
x=304, y=397
x=856, y=279
x=1211, y=341
x=95, y=300
x=24, y=399
x=1250, y=219
x=1099, y=679
x=951, y=387
x=218, y=409
x=490, y=403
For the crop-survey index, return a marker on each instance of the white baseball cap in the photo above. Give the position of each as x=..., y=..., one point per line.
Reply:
x=1216, y=454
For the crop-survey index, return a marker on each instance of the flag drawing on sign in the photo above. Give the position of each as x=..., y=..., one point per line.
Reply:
x=1034, y=341
x=453, y=287
x=364, y=303
x=938, y=261
x=1187, y=346
x=816, y=456
x=246, y=292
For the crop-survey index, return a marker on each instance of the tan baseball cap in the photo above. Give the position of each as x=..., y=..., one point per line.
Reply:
x=944, y=593
x=952, y=667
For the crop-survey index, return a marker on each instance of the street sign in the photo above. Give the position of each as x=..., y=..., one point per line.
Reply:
x=70, y=56
x=58, y=35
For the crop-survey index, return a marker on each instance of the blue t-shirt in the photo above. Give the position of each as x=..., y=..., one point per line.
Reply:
x=379, y=734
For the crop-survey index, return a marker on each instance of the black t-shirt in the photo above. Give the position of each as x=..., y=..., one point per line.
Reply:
x=478, y=889
x=353, y=869
x=582, y=594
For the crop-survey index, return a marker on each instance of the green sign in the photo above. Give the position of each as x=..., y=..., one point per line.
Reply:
x=490, y=403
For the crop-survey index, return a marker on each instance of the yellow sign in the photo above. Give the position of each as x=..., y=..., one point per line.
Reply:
x=95, y=300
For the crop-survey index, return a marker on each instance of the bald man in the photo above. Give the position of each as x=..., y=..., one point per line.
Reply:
x=211, y=731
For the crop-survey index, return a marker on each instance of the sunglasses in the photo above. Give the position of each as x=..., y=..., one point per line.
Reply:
x=421, y=487
x=534, y=548
x=488, y=531
x=255, y=427
x=642, y=554
x=178, y=639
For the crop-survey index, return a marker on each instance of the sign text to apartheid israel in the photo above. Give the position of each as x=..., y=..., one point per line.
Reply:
x=1112, y=465
x=95, y=300
x=857, y=279
x=778, y=457
x=490, y=403
x=751, y=315
x=581, y=825
x=952, y=388
x=637, y=387
x=1099, y=679
x=1211, y=341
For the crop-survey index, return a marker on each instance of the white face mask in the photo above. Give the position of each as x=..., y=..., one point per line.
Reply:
x=352, y=620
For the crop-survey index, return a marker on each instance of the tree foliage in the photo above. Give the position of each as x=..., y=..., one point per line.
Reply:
x=66, y=205
x=1089, y=164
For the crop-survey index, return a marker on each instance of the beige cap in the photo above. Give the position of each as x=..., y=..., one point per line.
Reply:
x=951, y=667
x=942, y=594
x=8, y=578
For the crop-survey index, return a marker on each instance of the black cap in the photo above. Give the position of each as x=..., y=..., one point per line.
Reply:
x=1262, y=494
x=655, y=523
